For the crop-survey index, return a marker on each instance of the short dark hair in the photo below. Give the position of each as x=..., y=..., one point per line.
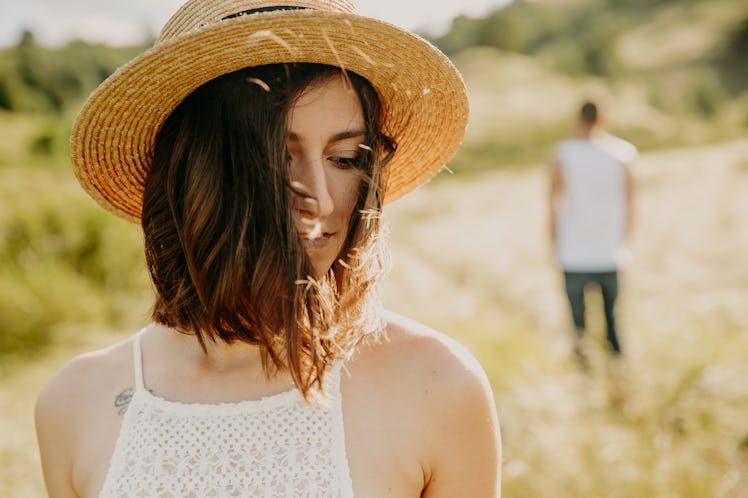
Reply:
x=588, y=113
x=224, y=255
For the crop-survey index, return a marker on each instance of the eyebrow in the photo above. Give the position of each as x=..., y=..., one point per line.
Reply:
x=343, y=135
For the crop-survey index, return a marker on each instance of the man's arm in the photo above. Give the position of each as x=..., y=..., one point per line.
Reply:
x=556, y=193
x=630, y=187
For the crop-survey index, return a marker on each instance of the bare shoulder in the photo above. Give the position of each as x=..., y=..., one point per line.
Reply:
x=86, y=377
x=431, y=391
x=423, y=371
x=76, y=411
x=409, y=347
x=463, y=445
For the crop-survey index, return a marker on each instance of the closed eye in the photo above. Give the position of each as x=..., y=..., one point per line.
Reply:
x=344, y=162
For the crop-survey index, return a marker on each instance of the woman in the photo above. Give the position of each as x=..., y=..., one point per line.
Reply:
x=256, y=145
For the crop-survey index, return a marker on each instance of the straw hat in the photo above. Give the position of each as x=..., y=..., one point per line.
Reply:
x=423, y=93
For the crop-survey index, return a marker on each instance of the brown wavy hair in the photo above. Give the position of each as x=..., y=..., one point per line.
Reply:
x=223, y=252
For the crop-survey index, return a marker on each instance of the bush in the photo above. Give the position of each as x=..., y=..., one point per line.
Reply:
x=707, y=96
x=508, y=151
x=64, y=259
x=38, y=79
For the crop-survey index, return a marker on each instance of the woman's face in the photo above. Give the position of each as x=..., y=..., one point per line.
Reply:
x=326, y=127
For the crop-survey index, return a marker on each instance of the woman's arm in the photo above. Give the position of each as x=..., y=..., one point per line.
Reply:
x=421, y=419
x=467, y=453
x=53, y=430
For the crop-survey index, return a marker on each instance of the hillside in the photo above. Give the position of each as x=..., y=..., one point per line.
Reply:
x=609, y=36
x=670, y=72
x=520, y=107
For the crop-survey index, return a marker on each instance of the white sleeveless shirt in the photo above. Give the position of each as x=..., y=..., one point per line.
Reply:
x=592, y=220
x=278, y=446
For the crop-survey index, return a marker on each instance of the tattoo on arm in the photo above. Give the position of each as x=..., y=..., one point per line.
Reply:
x=122, y=401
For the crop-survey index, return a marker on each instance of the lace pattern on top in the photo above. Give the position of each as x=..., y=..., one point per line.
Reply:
x=275, y=447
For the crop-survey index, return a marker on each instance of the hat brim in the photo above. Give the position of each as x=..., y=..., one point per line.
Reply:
x=426, y=106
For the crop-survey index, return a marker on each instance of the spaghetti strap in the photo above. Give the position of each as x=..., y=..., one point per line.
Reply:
x=334, y=393
x=138, y=361
x=332, y=380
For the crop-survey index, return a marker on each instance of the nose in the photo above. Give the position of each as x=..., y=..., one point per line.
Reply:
x=314, y=178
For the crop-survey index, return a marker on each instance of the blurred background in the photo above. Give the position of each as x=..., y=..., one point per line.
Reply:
x=470, y=249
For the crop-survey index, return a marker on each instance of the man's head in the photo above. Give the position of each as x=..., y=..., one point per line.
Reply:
x=590, y=119
x=588, y=113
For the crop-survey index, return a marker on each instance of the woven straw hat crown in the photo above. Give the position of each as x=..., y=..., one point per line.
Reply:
x=195, y=15
x=423, y=95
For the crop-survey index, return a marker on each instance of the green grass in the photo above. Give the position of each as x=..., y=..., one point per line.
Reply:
x=63, y=260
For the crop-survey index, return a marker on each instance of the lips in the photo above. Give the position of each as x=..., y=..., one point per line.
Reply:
x=317, y=243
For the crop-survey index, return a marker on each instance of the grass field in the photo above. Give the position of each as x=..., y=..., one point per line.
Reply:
x=472, y=259
x=672, y=423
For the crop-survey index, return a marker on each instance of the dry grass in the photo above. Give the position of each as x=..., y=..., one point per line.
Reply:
x=471, y=259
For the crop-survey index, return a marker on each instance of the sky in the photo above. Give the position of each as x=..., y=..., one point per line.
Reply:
x=123, y=22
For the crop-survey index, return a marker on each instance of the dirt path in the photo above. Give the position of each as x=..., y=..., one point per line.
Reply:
x=465, y=247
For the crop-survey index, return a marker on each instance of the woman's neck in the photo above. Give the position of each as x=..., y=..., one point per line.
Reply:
x=218, y=355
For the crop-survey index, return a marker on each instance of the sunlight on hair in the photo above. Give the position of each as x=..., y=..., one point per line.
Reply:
x=314, y=223
x=370, y=216
x=304, y=282
x=260, y=83
x=316, y=230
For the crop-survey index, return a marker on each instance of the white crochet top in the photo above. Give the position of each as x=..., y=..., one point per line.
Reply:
x=278, y=446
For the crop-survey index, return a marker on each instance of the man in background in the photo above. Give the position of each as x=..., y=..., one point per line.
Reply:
x=591, y=214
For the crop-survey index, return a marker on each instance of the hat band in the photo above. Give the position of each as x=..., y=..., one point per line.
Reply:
x=264, y=9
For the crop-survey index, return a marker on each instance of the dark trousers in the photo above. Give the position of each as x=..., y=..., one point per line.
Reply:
x=576, y=282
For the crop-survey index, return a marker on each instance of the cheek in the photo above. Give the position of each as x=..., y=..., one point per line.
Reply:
x=347, y=194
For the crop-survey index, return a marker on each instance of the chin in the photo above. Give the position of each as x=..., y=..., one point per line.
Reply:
x=321, y=268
